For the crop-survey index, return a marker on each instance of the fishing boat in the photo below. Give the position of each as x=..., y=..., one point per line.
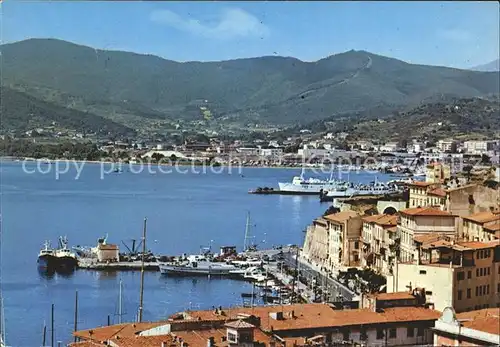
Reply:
x=46, y=257
x=66, y=259
x=200, y=266
x=311, y=186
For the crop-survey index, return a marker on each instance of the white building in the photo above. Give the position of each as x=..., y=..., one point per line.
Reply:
x=389, y=147
x=479, y=147
x=445, y=145
x=271, y=152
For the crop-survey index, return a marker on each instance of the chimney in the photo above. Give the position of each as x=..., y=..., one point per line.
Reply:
x=210, y=342
x=163, y=344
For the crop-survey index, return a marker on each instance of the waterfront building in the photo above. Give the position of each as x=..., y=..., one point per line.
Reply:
x=420, y=223
x=315, y=249
x=333, y=241
x=462, y=275
x=475, y=328
x=291, y=325
x=378, y=237
x=344, y=234
x=271, y=151
x=107, y=253
x=482, y=226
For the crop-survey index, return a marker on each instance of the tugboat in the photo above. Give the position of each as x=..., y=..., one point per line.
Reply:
x=66, y=259
x=46, y=257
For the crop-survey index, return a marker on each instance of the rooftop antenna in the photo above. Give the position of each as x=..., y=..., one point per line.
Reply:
x=141, y=298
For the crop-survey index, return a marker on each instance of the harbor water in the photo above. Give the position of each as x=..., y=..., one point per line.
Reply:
x=185, y=211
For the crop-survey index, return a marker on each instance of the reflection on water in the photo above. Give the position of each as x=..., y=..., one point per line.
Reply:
x=50, y=273
x=46, y=274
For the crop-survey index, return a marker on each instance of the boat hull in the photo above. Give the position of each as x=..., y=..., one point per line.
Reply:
x=47, y=262
x=173, y=270
x=50, y=262
x=305, y=189
x=67, y=263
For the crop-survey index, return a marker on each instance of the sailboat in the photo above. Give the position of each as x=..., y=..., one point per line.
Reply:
x=247, y=246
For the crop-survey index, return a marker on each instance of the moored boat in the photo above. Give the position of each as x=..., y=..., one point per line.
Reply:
x=197, y=267
x=66, y=259
x=311, y=186
x=46, y=257
x=374, y=188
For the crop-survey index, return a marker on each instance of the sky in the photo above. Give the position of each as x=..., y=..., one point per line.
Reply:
x=455, y=34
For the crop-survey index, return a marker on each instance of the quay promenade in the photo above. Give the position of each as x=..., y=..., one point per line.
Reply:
x=333, y=290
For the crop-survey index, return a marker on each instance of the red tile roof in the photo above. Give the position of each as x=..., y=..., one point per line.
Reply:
x=311, y=316
x=486, y=320
x=483, y=217
x=108, y=247
x=494, y=227
x=145, y=341
x=461, y=246
x=392, y=296
x=420, y=184
x=425, y=211
x=341, y=217
x=437, y=192
x=239, y=324
x=385, y=220
x=105, y=333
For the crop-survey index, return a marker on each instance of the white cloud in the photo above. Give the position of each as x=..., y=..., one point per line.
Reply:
x=232, y=23
x=456, y=34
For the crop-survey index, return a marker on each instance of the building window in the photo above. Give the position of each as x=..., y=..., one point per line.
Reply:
x=392, y=333
x=468, y=293
x=428, y=292
x=356, y=245
x=498, y=287
x=477, y=272
x=488, y=271
x=477, y=291
x=345, y=335
x=380, y=334
x=460, y=276
x=423, y=272
x=459, y=295
x=410, y=332
x=469, y=274
x=356, y=257
x=231, y=337
x=420, y=331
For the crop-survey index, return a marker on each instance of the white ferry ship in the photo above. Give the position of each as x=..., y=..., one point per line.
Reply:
x=312, y=186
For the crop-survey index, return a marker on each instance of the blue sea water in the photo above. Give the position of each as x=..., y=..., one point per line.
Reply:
x=184, y=211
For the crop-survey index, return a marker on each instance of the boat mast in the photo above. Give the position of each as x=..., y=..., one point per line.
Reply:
x=52, y=326
x=120, y=304
x=141, y=298
x=247, y=233
x=76, y=313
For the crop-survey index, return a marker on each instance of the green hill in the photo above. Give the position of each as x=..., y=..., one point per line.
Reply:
x=23, y=112
x=273, y=90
